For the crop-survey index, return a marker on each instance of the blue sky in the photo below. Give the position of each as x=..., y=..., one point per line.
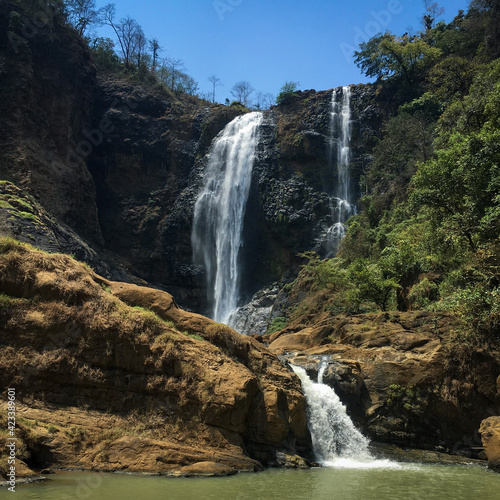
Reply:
x=269, y=42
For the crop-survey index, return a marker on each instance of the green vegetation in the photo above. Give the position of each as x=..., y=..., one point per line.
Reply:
x=404, y=398
x=427, y=232
x=277, y=324
x=195, y=336
x=287, y=92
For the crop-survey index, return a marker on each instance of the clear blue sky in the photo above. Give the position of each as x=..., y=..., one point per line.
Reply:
x=268, y=42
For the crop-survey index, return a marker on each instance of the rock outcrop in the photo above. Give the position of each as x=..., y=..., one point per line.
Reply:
x=114, y=376
x=403, y=380
x=490, y=435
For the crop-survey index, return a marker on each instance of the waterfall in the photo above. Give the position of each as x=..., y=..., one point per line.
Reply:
x=339, y=154
x=220, y=209
x=336, y=441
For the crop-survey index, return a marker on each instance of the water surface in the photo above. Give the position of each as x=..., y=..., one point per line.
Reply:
x=408, y=482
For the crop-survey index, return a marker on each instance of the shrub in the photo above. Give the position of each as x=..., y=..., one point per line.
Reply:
x=287, y=92
x=277, y=324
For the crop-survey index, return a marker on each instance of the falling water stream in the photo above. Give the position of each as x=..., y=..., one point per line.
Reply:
x=335, y=439
x=220, y=210
x=339, y=154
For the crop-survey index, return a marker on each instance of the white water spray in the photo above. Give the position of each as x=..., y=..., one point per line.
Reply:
x=220, y=210
x=339, y=156
x=336, y=441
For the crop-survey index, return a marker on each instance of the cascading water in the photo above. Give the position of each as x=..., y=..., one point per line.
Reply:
x=339, y=154
x=336, y=441
x=220, y=210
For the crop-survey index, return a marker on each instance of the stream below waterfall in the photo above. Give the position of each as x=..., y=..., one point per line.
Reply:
x=349, y=471
x=409, y=482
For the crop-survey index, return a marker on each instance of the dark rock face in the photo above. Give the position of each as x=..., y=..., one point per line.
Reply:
x=146, y=171
x=48, y=82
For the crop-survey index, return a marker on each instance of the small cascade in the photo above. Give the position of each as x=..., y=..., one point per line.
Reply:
x=339, y=155
x=336, y=441
x=220, y=210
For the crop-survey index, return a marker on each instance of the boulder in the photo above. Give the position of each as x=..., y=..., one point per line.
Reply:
x=490, y=435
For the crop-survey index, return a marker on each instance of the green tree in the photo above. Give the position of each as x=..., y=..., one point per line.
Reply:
x=372, y=283
x=390, y=56
x=462, y=183
x=286, y=92
x=103, y=52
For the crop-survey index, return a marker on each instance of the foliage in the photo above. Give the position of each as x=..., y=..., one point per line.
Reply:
x=277, y=324
x=287, y=92
x=387, y=55
x=426, y=234
x=103, y=52
x=404, y=398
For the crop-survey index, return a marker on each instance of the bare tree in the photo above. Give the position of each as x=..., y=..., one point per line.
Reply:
x=432, y=12
x=175, y=68
x=130, y=33
x=140, y=50
x=242, y=91
x=82, y=14
x=216, y=82
x=268, y=100
x=155, y=48
x=127, y=31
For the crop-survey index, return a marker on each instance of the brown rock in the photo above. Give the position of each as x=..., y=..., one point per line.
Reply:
x=208, y=469
x=490, y=435
x=177, y=388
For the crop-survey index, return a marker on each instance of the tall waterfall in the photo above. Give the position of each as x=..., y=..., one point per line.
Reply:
x=339, y=157
x=220, y=210
x=336, y=441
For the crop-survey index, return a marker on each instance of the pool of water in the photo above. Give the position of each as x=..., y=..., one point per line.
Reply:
x=403, y=482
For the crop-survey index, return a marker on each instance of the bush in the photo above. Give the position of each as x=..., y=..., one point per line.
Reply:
x=287, y=92
x=277, y=324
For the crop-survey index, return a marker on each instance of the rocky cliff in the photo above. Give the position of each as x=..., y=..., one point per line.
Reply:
x=113, y=376
x=406, y=378
x=47, y=89
x=120, y=163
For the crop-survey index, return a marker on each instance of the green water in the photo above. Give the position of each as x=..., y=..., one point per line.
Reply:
x=406, y=483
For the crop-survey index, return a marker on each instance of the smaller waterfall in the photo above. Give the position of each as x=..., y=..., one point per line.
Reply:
x=339, y=155
x=220, y=210
x=335, y=439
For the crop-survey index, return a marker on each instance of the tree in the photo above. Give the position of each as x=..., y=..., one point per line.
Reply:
x=155, y=48
x=372, y=283
x=103, y=51
x=432, y=11
x=216, y=82
x=242, y=91
x=387, y=55
x=263, y=100
x=287, y=91
x=461, y=185
x=81, y=14
x=174, y=70
x=186, y=84
x=127, y=31
x=140, y=49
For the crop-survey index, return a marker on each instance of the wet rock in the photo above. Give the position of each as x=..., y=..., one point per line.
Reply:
x=292, y=461
x=208, y=469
